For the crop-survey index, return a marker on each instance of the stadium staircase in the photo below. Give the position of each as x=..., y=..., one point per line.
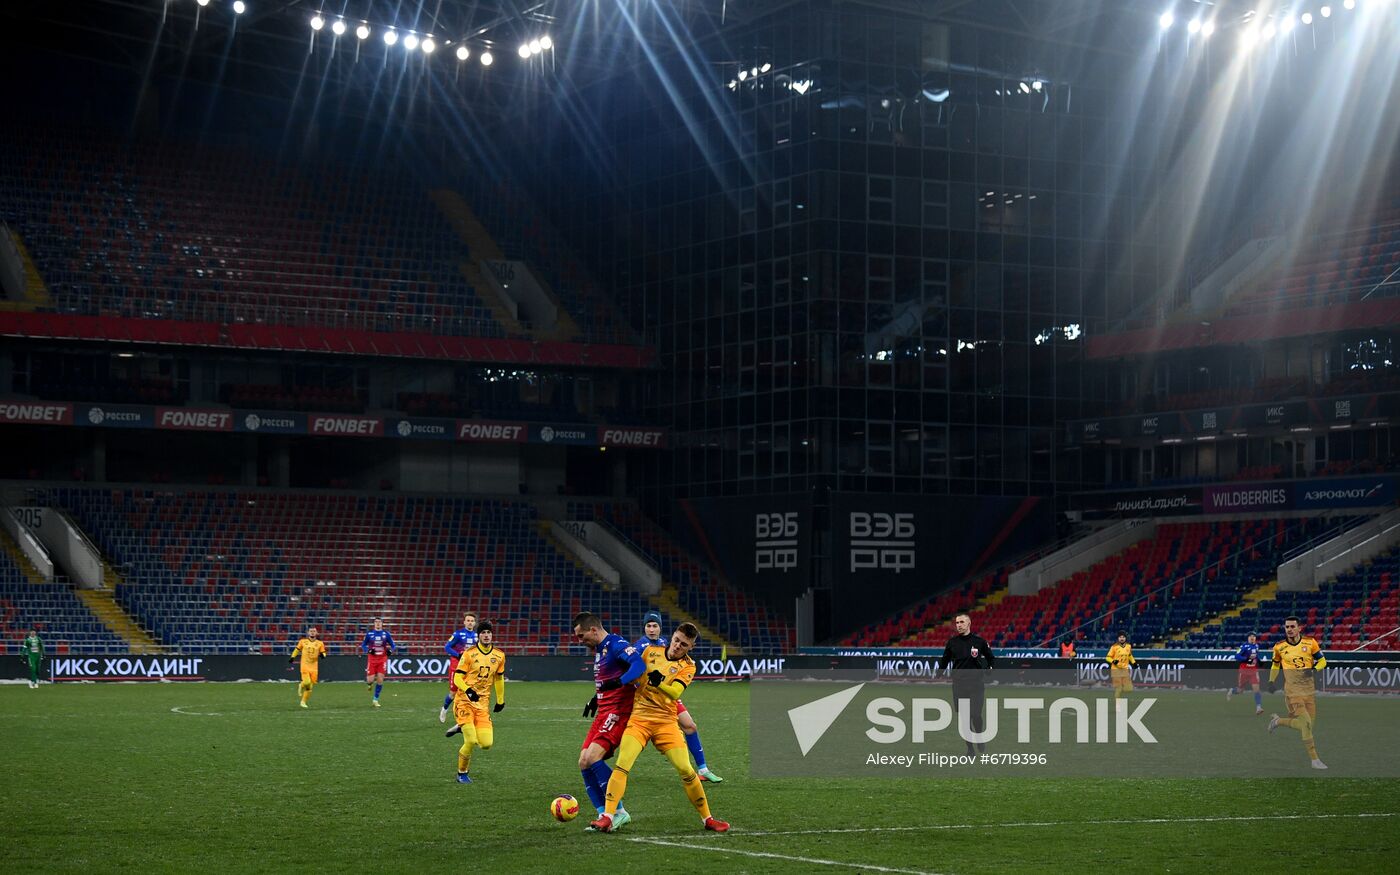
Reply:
x=1251, y=600
x=35, y=292
x=16, y=555
x=484, y=247
x=1358, y=606
x=721, y=612
x=104, y=606
x=668, y=600
x=543, y=528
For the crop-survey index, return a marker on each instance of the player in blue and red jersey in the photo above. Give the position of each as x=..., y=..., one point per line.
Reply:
x=610, y=708
x=1248, y=659
x=461, y=640
x=651, y=636
x=378, y=645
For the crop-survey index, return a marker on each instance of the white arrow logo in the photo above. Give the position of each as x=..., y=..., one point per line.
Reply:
x=811, y=721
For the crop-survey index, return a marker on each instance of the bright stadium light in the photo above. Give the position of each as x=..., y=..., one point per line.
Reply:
x=1248, y=37
x=1025, y=88
x=1037, y=85
x=202, y=2
x=391, y=36
x=753, y=71
x=410, y=42
x=765, y=68
x=428, y=45
x=1166, y=20
x=1193, y=26
x=743, y=74
x=239, y=7
x=317, y=22
x=1307, y=18
x=546, y=43
x=362, y=32
x=1269, y=31
x=1288, y=23
x=1348, y=4
x=487, y=59
x=524, y=50
x=1326, y=11
x=1207, y=29
x=338, y=27
x=463, y=53
x=535, y=47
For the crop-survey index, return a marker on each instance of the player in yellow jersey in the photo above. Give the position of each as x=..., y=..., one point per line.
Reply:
x=481, y=668
x=312, y=650
x=1298, y=657
x=1120, y=666
x=661, y=674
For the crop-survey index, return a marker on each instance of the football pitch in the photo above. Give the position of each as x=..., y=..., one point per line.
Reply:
x=235, y=777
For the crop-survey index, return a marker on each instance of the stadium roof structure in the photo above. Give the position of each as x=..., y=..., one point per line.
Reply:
x=270, y=47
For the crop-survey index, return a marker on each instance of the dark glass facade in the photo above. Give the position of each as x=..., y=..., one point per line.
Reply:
x=868, y=263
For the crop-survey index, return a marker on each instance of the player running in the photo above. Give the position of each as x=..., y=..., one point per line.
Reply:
x=461, y=640
x=1120, y=662
x=378, y=646
x=311, y=650
x=1248, y=659
x=662, y=674
x=610, y=707
x=481, y=668
x=1299, y=658
x=651, y=635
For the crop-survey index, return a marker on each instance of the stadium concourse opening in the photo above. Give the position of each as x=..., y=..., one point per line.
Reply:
x=588, y=377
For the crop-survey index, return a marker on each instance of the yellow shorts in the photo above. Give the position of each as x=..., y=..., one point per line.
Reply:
x=309, y=675
x=1298, y=704
x=1122, y=679
x=663, y=736
x=466, y=711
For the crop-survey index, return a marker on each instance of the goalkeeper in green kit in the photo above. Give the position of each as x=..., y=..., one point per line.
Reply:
x=33, y=648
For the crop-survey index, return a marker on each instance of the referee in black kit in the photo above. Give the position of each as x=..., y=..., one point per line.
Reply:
x=968, y=658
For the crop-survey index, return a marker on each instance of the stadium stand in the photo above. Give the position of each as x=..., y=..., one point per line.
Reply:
x=1338, y=268
x=64, y=622
x=246, y=572
x=734, y=614
x=1184, y=573
x=1361, y=605
x=166, y=232
x=523, y=235
x=907, y=627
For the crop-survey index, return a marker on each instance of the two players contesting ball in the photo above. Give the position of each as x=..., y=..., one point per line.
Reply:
x=638, y=689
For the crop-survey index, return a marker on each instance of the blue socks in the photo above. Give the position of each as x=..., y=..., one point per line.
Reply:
x=599, y=772
x=1258, y=701
x=693, y=742
x=377, y=688
x=447, y=701
x=596, y=794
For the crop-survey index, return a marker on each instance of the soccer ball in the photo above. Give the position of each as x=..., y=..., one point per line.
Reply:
x=564, y=808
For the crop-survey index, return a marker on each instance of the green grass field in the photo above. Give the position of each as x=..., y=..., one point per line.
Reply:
x=178, y=777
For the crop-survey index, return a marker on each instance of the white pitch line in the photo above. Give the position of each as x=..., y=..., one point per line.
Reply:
x=1244, y=818
x=862, y=867
x=177, y=710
